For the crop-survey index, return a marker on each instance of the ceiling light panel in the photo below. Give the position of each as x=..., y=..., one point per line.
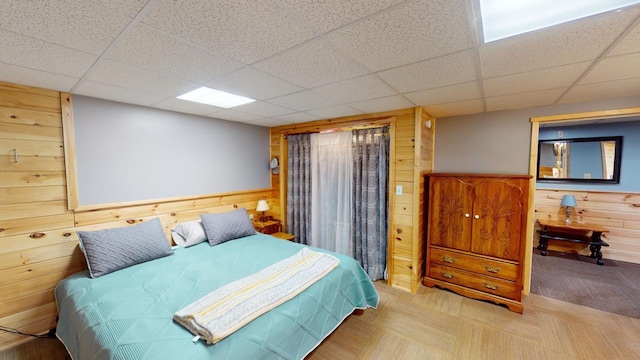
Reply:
x=205, y=95
x=506, y=18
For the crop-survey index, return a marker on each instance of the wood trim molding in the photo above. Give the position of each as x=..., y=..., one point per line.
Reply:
x=628, y=112
x=88, y=208
x=69, y=142
x=528, y=255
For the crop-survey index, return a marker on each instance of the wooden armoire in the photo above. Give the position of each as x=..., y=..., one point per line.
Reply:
x=476, y=226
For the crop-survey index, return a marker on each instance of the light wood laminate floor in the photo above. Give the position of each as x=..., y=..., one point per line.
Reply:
x=437, y=324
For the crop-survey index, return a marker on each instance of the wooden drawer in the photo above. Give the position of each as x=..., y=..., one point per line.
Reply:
x=468, y=279
x=480, y=265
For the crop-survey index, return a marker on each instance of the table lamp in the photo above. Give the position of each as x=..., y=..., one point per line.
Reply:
x=568, y=201
x=263, y=206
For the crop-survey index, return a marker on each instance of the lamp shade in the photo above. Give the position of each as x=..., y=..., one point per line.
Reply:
x=263, y=206
x=568, y=200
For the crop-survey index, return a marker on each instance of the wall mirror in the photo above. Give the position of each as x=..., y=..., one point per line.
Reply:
x=594, y=160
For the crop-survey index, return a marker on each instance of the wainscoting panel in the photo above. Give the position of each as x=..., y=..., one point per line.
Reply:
x=618, y=212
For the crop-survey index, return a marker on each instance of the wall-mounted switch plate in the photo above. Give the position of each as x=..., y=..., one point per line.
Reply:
x=398, y=189
x=560, y=134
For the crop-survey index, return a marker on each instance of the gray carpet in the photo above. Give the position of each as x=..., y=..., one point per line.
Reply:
x=613, y=287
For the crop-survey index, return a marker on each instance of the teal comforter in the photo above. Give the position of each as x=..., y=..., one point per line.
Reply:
x=128, y=314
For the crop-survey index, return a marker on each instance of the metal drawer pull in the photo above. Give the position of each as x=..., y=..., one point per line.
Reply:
x=446, y=274
x=492, y=286
x=448, y=259
x=492, y=269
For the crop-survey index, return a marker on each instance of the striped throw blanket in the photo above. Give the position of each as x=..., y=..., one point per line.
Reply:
x=225, y=310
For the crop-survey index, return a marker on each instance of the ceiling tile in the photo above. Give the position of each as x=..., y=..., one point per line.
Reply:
x=247, y=30
x=614, y=68
x=268, y=122
x=126, y=7
x=524, y=100
x=559, y=76
x=357, y=89
x=303, y=101
x=569, y=43
x=20, y=75
x=189, y=107
x=79, y=25
x=413, y=32
x=382, y=104
x=312, y=64
x=37, y=54
x=447, y=70
x=233, y=115
x=328, y=15
x=264, y=109
x=298, y=117
x=629, y=44
x=254, y=84
x=156, y=51
x=456, y=108
x=115, y=93
x=128, y=76
x=603, y=90
x=446, y=94
x=335, y=111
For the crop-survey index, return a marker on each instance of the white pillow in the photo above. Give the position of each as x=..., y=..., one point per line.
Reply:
x=188, y=233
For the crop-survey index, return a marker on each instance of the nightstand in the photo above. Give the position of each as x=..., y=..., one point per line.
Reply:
x=267, y=227
x=284, y=236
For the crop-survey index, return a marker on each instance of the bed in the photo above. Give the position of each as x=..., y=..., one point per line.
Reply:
x=127, y=314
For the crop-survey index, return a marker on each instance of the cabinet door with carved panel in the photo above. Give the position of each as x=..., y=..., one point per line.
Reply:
x=450, y=202
x=497, y=218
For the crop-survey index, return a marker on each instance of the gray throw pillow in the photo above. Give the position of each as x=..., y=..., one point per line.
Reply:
x=109, y=250
x=227, y=226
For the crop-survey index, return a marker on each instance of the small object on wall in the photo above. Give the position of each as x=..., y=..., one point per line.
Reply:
x=15, y=155
x=275, y=167
x=428, y=124
x=569, y=202
x=262, y=206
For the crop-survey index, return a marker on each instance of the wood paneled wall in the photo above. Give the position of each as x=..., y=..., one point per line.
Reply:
x=37, y=245
x=411, y=155
x=38, y=241
x=618, y=212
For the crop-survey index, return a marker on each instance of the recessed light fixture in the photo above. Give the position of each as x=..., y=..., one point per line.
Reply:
x=505, y=18
x=209, y=96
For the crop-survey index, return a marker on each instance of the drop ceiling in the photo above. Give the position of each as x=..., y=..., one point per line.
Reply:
x=305, y=60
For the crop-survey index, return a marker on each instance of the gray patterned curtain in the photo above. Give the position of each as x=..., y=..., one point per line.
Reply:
x=370, y=197
x=299, y=187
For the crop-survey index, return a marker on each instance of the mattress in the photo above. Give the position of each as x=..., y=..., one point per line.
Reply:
x=128, y=314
